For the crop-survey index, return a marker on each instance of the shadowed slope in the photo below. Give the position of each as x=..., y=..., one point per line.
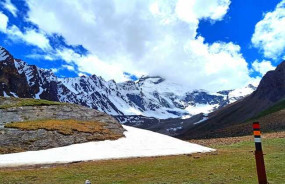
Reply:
x=270, y=91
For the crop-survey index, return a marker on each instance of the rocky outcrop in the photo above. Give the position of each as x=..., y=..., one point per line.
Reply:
x=12, y=139
x=66, y=111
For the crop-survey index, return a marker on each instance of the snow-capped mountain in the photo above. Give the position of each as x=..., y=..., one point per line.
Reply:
x=150, y=96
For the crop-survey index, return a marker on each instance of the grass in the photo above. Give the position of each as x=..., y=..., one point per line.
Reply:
x=275, y=108
x=10, y=149
x=231, y=164
x=20, y=102
x=66, y=127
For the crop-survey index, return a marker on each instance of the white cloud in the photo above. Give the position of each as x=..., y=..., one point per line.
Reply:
x=3, y=22
x=262, y=67
x=10, y=7
x=36, y=38
x=30, y=36
x=144, y=37
x=69, y=67
x=93, y=65
x=54, y=70
x=193, y=10
x=49, y=57
x=213, y=67
x=269, y=33
x=81, y=74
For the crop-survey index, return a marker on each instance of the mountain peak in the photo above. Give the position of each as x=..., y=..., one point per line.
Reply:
x=4, y=54
x=281, y=66
x=272, y=85
x=152, y=79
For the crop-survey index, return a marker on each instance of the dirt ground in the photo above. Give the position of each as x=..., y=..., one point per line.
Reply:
x=232, y=140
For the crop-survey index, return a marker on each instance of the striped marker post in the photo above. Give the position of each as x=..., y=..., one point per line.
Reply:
x=260, y=166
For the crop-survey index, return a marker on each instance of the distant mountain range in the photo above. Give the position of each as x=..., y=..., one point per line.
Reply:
x=150, y=97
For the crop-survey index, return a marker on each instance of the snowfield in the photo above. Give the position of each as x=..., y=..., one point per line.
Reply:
x=137, y=143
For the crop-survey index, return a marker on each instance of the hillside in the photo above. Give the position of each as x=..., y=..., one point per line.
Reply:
x=270, y=92
x=272, y=119
x=29, y=124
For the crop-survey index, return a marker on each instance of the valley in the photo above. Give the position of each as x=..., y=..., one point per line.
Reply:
x=135, y=91
x=232, y=163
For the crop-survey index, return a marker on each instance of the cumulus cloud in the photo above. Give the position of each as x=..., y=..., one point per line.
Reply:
x=63, y=67
x=54, y=70
x=269, y=35
x=262, y=67
x=10, y=7
x=3, y=22
x=93, y=65
x=69, y=67
x=144, y=38
x=192, y=11
x=30, y=36
x=38, y=56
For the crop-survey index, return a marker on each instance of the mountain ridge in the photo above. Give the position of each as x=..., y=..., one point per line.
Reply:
x=151, y=96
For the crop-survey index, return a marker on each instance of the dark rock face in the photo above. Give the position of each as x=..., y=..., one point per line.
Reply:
x=272, y=86
x=11, y=81
x=205, y=98
x=14, y=139
x=138, y=100
x=43, y=139
x=157, y=81
x=270, y=91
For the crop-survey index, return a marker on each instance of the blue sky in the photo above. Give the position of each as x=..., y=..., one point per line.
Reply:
x=239, y=25
x=210, y=44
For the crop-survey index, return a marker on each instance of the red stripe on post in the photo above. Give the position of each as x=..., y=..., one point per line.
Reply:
x=260, y=166
x=256, y=125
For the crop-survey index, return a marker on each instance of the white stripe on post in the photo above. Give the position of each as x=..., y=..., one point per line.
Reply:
x=257, y=139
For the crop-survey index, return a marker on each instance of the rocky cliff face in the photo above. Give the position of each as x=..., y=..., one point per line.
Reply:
x=150, y=96
x=60, y=112
x=272, y=85
x=21, y=110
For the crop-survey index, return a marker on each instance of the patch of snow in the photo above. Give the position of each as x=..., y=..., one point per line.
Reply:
x=69, y=84
x=14, y=94
x=137, y=143
x=149, y=85
x=3, y=54
x=201, y=108
x=18, y=67
x=203, y=119
x=240, y=93
x=37, y=96
x=133, y=111
x=186, y=117
x=174, y=129
x=23, y=67
x=162, y=113
x=5, y=94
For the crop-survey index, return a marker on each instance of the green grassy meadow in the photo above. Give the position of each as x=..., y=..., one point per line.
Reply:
x=20, y=102
x=230, y=164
